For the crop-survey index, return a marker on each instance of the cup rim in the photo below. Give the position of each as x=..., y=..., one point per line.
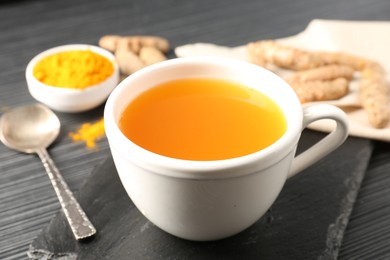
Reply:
x=191, y=169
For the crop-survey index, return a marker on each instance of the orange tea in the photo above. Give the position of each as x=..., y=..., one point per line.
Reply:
x=202, y=119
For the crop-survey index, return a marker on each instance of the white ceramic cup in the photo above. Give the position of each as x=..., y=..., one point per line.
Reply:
x=210, y=200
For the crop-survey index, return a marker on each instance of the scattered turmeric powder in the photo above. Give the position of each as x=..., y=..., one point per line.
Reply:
x=77, y=69
x=89, y=133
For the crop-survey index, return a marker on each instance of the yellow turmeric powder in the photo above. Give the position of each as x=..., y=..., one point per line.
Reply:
x=89, y=133
x=77, y=69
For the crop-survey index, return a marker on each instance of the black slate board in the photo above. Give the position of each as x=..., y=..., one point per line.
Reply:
x=307, y=221
x=367, y=234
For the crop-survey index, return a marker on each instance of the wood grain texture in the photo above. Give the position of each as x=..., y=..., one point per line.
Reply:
x=27, y=201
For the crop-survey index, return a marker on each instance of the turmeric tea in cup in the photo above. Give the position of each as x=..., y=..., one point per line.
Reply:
x=203, y=146
x=202, y=119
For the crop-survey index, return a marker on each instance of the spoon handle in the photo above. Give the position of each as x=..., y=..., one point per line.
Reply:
x=78, y=220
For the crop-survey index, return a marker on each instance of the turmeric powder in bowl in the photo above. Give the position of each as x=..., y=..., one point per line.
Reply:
x=73, y=69
x=72, y=78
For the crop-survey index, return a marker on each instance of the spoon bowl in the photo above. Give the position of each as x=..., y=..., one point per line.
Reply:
x=31, y=129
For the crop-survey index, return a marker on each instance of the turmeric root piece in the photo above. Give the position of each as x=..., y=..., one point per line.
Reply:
x=135, y=52
x=263, y=52
x=318, y=90
x=109, y=42
x=328, y=72
x=374, y=95
x=129, y=45
x=128, y=61
x=355, y=62
x=159, y=43
x=133, y=43
x=150, y=55
x=326, y=76
x=373, y=69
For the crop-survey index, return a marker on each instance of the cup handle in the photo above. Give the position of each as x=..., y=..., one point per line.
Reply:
x=326, y=145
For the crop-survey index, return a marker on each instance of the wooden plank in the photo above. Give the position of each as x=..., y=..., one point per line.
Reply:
x=27, y=200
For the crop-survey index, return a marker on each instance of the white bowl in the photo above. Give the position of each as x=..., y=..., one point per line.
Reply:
x=69, y=99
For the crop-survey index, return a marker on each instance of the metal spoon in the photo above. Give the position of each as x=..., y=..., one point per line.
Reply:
x=31, y=129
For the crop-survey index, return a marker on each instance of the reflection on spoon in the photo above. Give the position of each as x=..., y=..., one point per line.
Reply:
x=31, y=129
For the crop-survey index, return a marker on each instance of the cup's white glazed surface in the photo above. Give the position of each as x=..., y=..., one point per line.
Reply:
x=209, y=200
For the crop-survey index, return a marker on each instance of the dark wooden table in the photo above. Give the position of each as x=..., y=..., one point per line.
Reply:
x=27, y=200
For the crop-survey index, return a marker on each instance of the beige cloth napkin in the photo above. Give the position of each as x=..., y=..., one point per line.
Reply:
x=365, y=39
